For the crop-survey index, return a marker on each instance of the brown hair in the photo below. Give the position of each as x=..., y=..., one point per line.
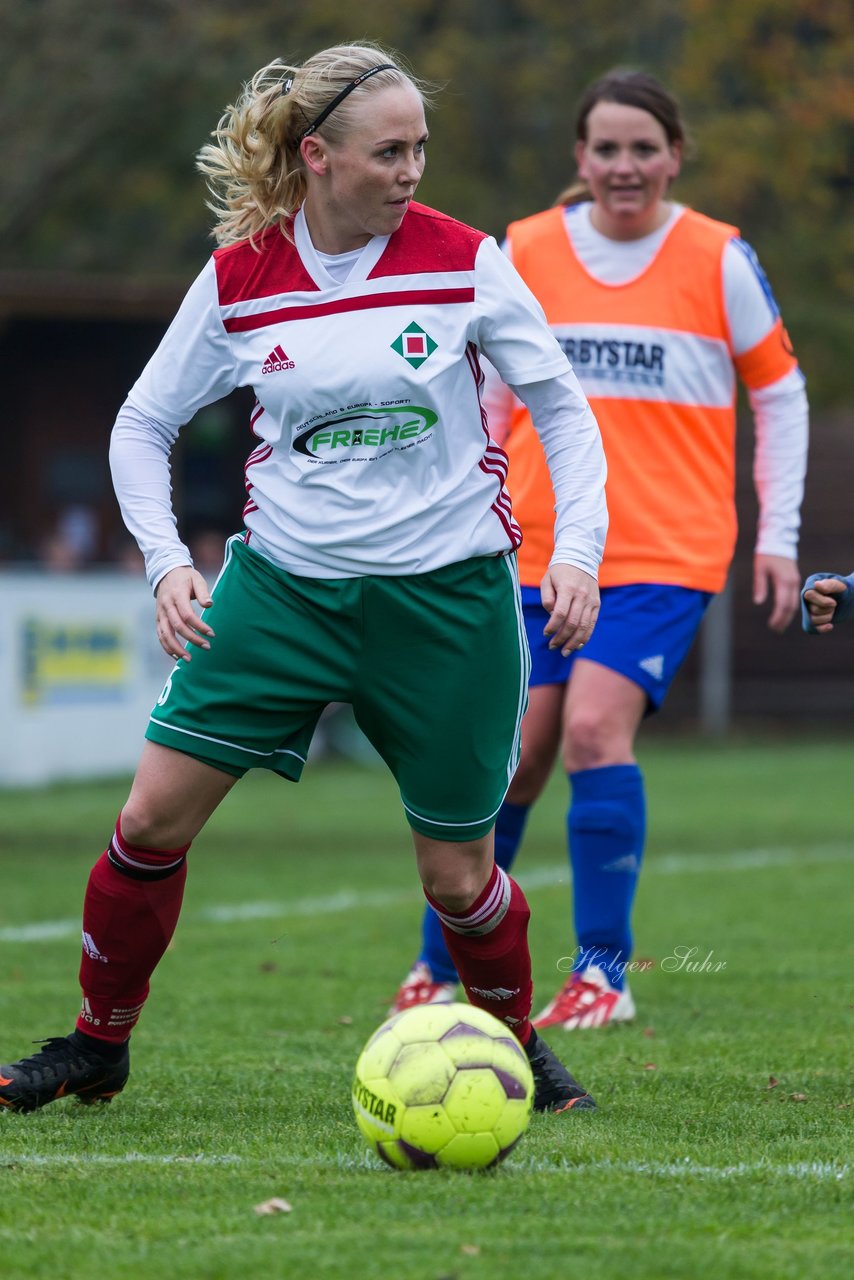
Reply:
x=253, y=167
x=629, y=89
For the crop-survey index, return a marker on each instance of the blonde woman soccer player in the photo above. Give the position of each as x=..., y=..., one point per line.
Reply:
x=659, y=309
x=377, y=565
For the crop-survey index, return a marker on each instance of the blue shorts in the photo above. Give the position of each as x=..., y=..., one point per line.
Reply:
x=644, y=632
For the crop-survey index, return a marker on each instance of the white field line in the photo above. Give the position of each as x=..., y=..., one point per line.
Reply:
x=672, y=864
x=814, y=1170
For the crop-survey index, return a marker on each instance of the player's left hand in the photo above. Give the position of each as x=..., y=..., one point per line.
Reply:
x=571, y=598
x=781, y=575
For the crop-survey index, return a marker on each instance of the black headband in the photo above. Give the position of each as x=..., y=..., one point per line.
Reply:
x=348, y=88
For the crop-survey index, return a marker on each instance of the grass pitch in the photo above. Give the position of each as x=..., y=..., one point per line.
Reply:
x=723, y=1143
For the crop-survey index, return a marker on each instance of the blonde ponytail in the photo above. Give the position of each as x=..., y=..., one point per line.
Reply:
x=253, y=167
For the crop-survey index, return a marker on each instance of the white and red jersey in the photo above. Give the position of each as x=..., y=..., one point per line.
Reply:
x=372, y=450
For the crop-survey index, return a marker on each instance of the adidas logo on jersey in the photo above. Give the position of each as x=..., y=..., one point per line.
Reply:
x=654, y=665
x=276, y=361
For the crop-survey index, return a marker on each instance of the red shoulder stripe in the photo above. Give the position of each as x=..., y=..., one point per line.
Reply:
x=273, y=266
x=429, y=241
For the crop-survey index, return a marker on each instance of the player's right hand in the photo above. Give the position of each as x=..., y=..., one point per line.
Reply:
x=176, y=621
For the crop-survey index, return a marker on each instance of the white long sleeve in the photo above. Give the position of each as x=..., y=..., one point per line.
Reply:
x=139, y=461
x=570, y=437
x=781, y=419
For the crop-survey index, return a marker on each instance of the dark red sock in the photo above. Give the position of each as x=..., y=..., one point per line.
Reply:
x=489, y=946
x=133, y=900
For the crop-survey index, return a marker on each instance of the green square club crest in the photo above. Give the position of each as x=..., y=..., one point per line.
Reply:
x=414, y=345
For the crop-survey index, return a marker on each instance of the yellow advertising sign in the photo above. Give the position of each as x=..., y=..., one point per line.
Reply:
x=73, y=662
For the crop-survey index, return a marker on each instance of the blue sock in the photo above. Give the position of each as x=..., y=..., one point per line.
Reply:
x=509, y=828
x=606, y=825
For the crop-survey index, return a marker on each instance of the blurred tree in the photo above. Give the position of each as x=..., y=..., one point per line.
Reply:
x=767, y=86
x=95, y=95
x=106, y=105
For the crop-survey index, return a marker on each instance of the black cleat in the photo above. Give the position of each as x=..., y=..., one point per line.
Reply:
x=62, y=1069
x=554, y=1088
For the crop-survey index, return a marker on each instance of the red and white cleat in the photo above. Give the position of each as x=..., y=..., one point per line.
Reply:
x=587, y=999
x=418, y=987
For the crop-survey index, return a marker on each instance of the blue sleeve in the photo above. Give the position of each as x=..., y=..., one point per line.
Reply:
x=845, y=602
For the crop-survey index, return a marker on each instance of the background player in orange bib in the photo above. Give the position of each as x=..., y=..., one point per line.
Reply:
x=659, y=309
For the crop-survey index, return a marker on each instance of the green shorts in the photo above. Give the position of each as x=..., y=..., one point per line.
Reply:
x=435, y=666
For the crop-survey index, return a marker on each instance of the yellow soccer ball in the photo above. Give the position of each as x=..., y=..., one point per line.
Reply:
x=442, y=1086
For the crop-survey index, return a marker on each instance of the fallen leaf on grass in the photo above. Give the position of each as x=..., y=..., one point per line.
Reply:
x=471, y=1250
x=276, y=1205
x=649, y=1032
x=650, y=1066
x=797, y=1097
x=772, y=1082
x=346, y=1021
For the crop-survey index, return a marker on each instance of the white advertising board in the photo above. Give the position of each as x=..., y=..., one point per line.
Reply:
x=80, y=670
